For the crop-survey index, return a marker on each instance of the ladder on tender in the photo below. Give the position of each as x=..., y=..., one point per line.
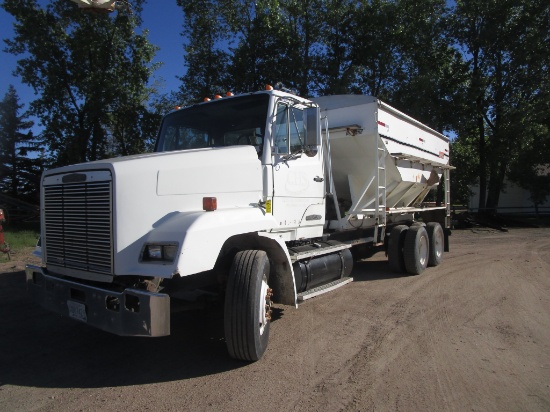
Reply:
x=380, y=198
x=447, y=177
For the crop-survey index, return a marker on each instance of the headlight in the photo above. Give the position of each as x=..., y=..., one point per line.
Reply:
x=165, y=252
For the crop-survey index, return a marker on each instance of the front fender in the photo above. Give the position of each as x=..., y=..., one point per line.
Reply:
x=201, y=235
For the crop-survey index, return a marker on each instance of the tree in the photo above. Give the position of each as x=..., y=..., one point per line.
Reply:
x=241, y=45
x=19, y=173
x=335, y=62
x=505, y=43
x=531, y=169
x=374, y=51
x=430, y=72
x=91, y=72
x=477, y=68
x=274, y=44
x=465, y=159
x=206, y=60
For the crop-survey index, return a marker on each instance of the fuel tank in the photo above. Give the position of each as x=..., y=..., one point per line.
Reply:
x=319, y=270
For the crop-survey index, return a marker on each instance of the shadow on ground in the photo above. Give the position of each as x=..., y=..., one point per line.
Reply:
x=41, y=349
x=365, y=271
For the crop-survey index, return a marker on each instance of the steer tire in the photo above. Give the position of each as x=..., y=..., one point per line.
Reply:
x=416, y=250
x=247, y=306
x=437, y=243
x=395, y=248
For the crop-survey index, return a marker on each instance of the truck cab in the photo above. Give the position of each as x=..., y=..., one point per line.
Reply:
x=285, y=133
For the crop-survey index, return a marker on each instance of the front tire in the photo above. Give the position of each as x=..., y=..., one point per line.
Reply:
x=247, y=311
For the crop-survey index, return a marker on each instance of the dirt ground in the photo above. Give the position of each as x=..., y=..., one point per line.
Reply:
x=472, y=334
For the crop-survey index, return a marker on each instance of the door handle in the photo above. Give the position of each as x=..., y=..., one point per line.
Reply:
x=318, y=179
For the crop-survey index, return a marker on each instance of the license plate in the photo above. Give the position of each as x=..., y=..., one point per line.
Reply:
x=77, y=310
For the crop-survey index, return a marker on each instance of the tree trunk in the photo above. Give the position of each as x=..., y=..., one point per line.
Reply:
x=482, y=164
x=496, y=182
x=482, y=170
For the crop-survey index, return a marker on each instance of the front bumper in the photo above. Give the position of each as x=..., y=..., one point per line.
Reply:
x=129, y=313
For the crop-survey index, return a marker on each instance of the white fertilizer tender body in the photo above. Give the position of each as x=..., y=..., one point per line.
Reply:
x=383, y=162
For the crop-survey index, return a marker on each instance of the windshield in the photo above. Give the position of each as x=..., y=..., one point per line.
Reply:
x=227, y=122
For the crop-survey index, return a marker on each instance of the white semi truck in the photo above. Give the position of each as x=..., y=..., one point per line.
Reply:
x=252, y=199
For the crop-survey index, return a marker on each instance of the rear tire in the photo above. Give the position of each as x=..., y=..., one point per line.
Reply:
x=437, y=243
x=247, y=311
x=395, y=248
x=416, y=250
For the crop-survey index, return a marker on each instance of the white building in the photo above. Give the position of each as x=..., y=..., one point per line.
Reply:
x=514, y=199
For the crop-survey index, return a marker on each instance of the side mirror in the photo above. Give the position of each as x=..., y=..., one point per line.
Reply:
x=313, y=130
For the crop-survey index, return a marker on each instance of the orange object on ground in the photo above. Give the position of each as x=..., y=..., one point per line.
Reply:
x=4, y=247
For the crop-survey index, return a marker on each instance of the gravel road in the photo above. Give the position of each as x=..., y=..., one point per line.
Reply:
x=472, y=334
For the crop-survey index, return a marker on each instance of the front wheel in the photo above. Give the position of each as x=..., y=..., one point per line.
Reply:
x=247, y=311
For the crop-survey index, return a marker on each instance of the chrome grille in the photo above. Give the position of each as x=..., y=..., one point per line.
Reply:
x=78, y=222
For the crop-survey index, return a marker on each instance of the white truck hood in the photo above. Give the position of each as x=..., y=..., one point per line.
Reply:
x=150, y=189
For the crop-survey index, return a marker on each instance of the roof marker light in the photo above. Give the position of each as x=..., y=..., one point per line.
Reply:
x=268, y=87
x=217, y=96
x=206, y=99
x=229, y=94
x=209, y=204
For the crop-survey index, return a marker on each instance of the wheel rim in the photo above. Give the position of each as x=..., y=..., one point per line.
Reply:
x=264, y=306
x=423, y=250
x=438, y=244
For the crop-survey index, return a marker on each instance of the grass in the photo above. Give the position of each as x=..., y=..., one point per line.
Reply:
x=19, y=238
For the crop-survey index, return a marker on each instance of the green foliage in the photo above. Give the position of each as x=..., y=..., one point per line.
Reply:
x=241, y=45
x=206, y=61
x=476, y=68
x=20, y=237
x=465, y=159
x=505, y=44
x=91, y=72
x=19, y=173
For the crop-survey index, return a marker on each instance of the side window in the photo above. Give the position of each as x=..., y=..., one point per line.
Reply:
x=281, y=129
x=297, y=132
x=289, y=129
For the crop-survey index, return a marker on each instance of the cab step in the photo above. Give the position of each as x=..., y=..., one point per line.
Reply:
x=319, y=290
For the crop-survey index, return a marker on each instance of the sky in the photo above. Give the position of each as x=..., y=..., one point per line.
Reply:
x=163, y=19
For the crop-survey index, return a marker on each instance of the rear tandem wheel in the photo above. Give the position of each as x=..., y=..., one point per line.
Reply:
x=437, y=243
x=395, y=248
x=416, y=250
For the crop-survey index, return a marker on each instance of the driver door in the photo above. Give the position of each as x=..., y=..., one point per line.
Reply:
x=298, y=177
